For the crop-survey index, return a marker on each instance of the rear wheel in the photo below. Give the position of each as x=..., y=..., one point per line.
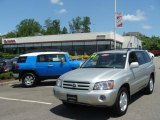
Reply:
x=122, y=101
x=150, y=87
x=29, y=79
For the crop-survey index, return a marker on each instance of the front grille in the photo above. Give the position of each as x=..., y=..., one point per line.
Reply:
x=76, y=85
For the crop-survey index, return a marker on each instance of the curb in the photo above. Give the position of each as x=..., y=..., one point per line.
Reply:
x=10, y=82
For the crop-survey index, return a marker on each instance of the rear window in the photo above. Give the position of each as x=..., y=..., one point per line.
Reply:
x=22, y=59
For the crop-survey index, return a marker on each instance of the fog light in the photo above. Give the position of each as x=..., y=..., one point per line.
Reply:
x=102, y=98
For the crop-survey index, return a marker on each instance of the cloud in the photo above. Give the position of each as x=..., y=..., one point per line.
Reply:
x=147, y=27
x=139, y=16
x=62, y=11
x=58, y=2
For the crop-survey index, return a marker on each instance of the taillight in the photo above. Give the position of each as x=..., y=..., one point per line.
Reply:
x=5, y=67
x=16, y=66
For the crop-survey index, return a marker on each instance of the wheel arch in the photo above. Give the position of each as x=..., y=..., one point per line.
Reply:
x=27, y=71
x=127, y=86
x=153, y=75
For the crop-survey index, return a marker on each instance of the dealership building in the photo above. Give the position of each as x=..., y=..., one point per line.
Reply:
x=75, y=44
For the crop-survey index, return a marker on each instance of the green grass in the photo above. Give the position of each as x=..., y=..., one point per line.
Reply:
x=6, y=75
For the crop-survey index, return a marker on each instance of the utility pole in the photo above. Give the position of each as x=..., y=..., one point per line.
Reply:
x=115, y=24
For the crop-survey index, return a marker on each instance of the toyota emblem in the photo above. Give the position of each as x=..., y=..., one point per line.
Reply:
x=74, y=85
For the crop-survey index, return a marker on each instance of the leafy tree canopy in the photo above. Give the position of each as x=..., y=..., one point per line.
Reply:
x=28, y=27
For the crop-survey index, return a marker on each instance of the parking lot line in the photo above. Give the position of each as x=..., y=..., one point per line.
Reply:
x=30, y=101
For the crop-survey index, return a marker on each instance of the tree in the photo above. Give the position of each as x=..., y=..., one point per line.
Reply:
x=11, y=35
x=64, y=30
x=79, y=25
x=52, y=26
x=85, y=24
x=150, y=43
x=28, y=27
x=76, y=25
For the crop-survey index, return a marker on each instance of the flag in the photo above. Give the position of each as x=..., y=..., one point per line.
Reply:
x=119, y=22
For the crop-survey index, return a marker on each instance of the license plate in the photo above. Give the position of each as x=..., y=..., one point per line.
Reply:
x=71, y=98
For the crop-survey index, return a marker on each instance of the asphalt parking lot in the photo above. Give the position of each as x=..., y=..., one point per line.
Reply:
x=38, y=103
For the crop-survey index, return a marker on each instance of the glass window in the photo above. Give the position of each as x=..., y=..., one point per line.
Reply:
x=50, y=58
x=42, y=58
x=46, y=44
x=66, y=43
x=22, y=59
x=56, y=57
x=140, y=57
x=146, y=57
x=132, y=57
x=106, y=60
x=103, y=42
x=56, y=44
x=29, y=45
x=78, y=43
x=90, y=43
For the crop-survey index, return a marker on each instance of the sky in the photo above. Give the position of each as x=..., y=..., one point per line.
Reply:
x=138, y=15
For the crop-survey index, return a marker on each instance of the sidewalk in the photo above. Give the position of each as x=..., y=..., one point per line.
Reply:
x=9, y=81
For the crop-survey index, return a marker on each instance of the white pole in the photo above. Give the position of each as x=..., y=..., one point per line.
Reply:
x=115, y=24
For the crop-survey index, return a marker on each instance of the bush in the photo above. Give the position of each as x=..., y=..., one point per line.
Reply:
x=79, y=57
x=7, y=75
x=7, y=55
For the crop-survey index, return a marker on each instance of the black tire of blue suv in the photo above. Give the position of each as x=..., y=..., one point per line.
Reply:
x=29, y=79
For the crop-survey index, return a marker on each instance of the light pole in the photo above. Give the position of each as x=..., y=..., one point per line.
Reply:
x=115, y=24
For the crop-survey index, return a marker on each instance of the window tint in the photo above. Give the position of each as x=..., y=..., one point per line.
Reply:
x=22, y=59
x=140, y=57
x=106, y=60
x=42, y=58
x=132, y=57
x=55, y=57
x=147, y=57
x=50, y=58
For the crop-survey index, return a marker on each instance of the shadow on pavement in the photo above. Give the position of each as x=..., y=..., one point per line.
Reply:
x=82, y=112
x=137, y=96
x=89, y=113
x=41, y=84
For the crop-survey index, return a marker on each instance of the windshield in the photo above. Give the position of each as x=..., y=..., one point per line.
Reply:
x=106, y=60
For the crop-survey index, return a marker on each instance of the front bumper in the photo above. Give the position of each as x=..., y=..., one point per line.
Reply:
x=88, y=97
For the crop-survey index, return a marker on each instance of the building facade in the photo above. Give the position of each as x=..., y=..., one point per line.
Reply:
x=75, y=44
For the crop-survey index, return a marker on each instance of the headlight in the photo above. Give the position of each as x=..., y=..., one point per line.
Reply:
x=59, y=83
x=104, y=85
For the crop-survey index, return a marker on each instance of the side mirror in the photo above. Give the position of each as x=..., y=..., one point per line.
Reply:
x=134, y=65
x=62, y=60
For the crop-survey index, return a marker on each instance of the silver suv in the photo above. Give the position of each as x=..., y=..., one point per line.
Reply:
x=108, y=78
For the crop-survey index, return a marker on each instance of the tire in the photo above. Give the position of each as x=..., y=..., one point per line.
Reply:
x=150, y=87
x=29, y=79
x=121, y=105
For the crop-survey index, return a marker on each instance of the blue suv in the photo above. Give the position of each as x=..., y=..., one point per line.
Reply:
x=31, y=68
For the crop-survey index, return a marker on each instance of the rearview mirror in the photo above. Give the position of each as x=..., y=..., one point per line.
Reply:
x=134, y=65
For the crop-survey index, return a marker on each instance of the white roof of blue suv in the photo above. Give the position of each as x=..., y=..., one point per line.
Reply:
x=39, y=53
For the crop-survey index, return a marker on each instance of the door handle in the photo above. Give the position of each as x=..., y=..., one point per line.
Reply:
x=50, y=65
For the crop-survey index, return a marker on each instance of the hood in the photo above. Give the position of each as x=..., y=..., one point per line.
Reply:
x=92, y=74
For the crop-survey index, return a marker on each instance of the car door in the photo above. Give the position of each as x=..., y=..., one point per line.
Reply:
x=137, y=73
x=144, y=66
x=56, y=66
x=42, y=65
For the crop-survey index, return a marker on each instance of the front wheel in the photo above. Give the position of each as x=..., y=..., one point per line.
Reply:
x=121, y=104
x=29, y=79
